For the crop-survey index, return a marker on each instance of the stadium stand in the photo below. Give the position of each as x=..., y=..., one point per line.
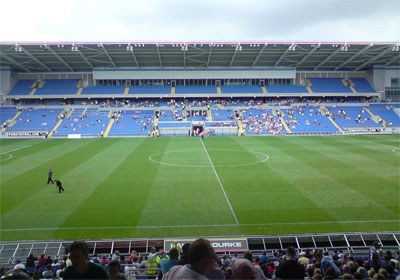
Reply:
x=353, y=116
x=308, y=119
x=344, y=249
x=132, y=123
x=195, y=89
x=228, y=89
x=261, y=122
x=22, y=87
x=362, y=85
x=327, y=85
x=149, y=89
x=265, y=113
x=7, y=113
x=59, y=87
x=103, y=90
x=86, y=122
x=36, y=120
x=296, y=89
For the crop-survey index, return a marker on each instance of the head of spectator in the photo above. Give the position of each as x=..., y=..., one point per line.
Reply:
x=114, y=268
x=291, y=253
x=16, y=274
x=79, y=253
x=19, y=264
x=184, y=254
x=248, y=255
x=201, y=256
x=377, y=244
x=173, y=254
x=378, y=276
x=347, y=276
x=243, y=269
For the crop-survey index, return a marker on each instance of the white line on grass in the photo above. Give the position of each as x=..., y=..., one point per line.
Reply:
x=20, y=148
x=219, y=181
x=199, y=226
x=10, y=155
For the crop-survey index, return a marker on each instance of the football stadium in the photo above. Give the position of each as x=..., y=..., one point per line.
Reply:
x=255, y=146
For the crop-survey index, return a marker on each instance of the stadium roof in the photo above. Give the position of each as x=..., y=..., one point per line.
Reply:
x=304, y=56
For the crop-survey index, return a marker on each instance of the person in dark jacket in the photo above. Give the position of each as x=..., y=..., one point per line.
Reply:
x=290, y=268
x=59, y=185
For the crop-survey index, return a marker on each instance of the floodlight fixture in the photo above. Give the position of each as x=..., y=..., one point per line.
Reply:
x=18, y=48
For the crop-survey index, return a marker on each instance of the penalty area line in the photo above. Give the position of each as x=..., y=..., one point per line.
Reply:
x=20, y=148
x=200, y=226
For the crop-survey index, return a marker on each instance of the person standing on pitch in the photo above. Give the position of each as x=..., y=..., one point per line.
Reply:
x=50, y=176
x=59, y=185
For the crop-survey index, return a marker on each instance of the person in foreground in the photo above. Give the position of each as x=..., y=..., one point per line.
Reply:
x=81, y=267
x=201, y=260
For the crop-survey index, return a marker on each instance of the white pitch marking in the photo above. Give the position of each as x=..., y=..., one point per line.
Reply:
x=20, y=148
x=266, y=157
x=396, y=150
x=219, y=181
x=10, y=155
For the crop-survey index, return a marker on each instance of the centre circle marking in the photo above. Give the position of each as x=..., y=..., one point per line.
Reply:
x=151, y=158
x=396, y=151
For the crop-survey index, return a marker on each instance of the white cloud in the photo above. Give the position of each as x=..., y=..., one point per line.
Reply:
x=205, y=20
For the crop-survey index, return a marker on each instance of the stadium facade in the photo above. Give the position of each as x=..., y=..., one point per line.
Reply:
x=76, y=78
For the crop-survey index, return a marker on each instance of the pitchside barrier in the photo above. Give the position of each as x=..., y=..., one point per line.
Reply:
x=355, y=244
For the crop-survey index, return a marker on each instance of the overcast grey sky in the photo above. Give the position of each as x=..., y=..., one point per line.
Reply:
x=200, y=20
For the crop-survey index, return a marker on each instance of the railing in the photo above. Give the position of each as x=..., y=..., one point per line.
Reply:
x=356, y=244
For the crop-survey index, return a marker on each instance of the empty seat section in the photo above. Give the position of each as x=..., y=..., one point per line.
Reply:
x=7, y=113
x=58, y=87
x=241, y=89
x=104, y=90
x=362, y=85
x=150, y=89
x=387, y=115
x=22, y=87
x=328, y=85
x=36, y=120
x=195, y=89
x=286, y=89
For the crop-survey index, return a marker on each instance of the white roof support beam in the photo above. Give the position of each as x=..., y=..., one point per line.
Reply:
x=35, y=59
x=135, y=58
x=369, y=61
x=394, y=59
x=159, y=56
x=12, y=60
x=108, y=56
x=85, y=59
x=258, y=56
x=60, y=58
x=363, y=50
x=307, y=55
x=209, y=55
x=233, y=57
x=282, y=56
x=327, y=58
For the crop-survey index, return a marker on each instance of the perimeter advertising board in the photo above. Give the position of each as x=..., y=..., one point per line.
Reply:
x=219, y=244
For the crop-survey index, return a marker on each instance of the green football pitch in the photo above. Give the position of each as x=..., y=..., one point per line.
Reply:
x=182, y=186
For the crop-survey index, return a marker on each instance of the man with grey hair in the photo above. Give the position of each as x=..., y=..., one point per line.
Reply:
x=243, y=269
